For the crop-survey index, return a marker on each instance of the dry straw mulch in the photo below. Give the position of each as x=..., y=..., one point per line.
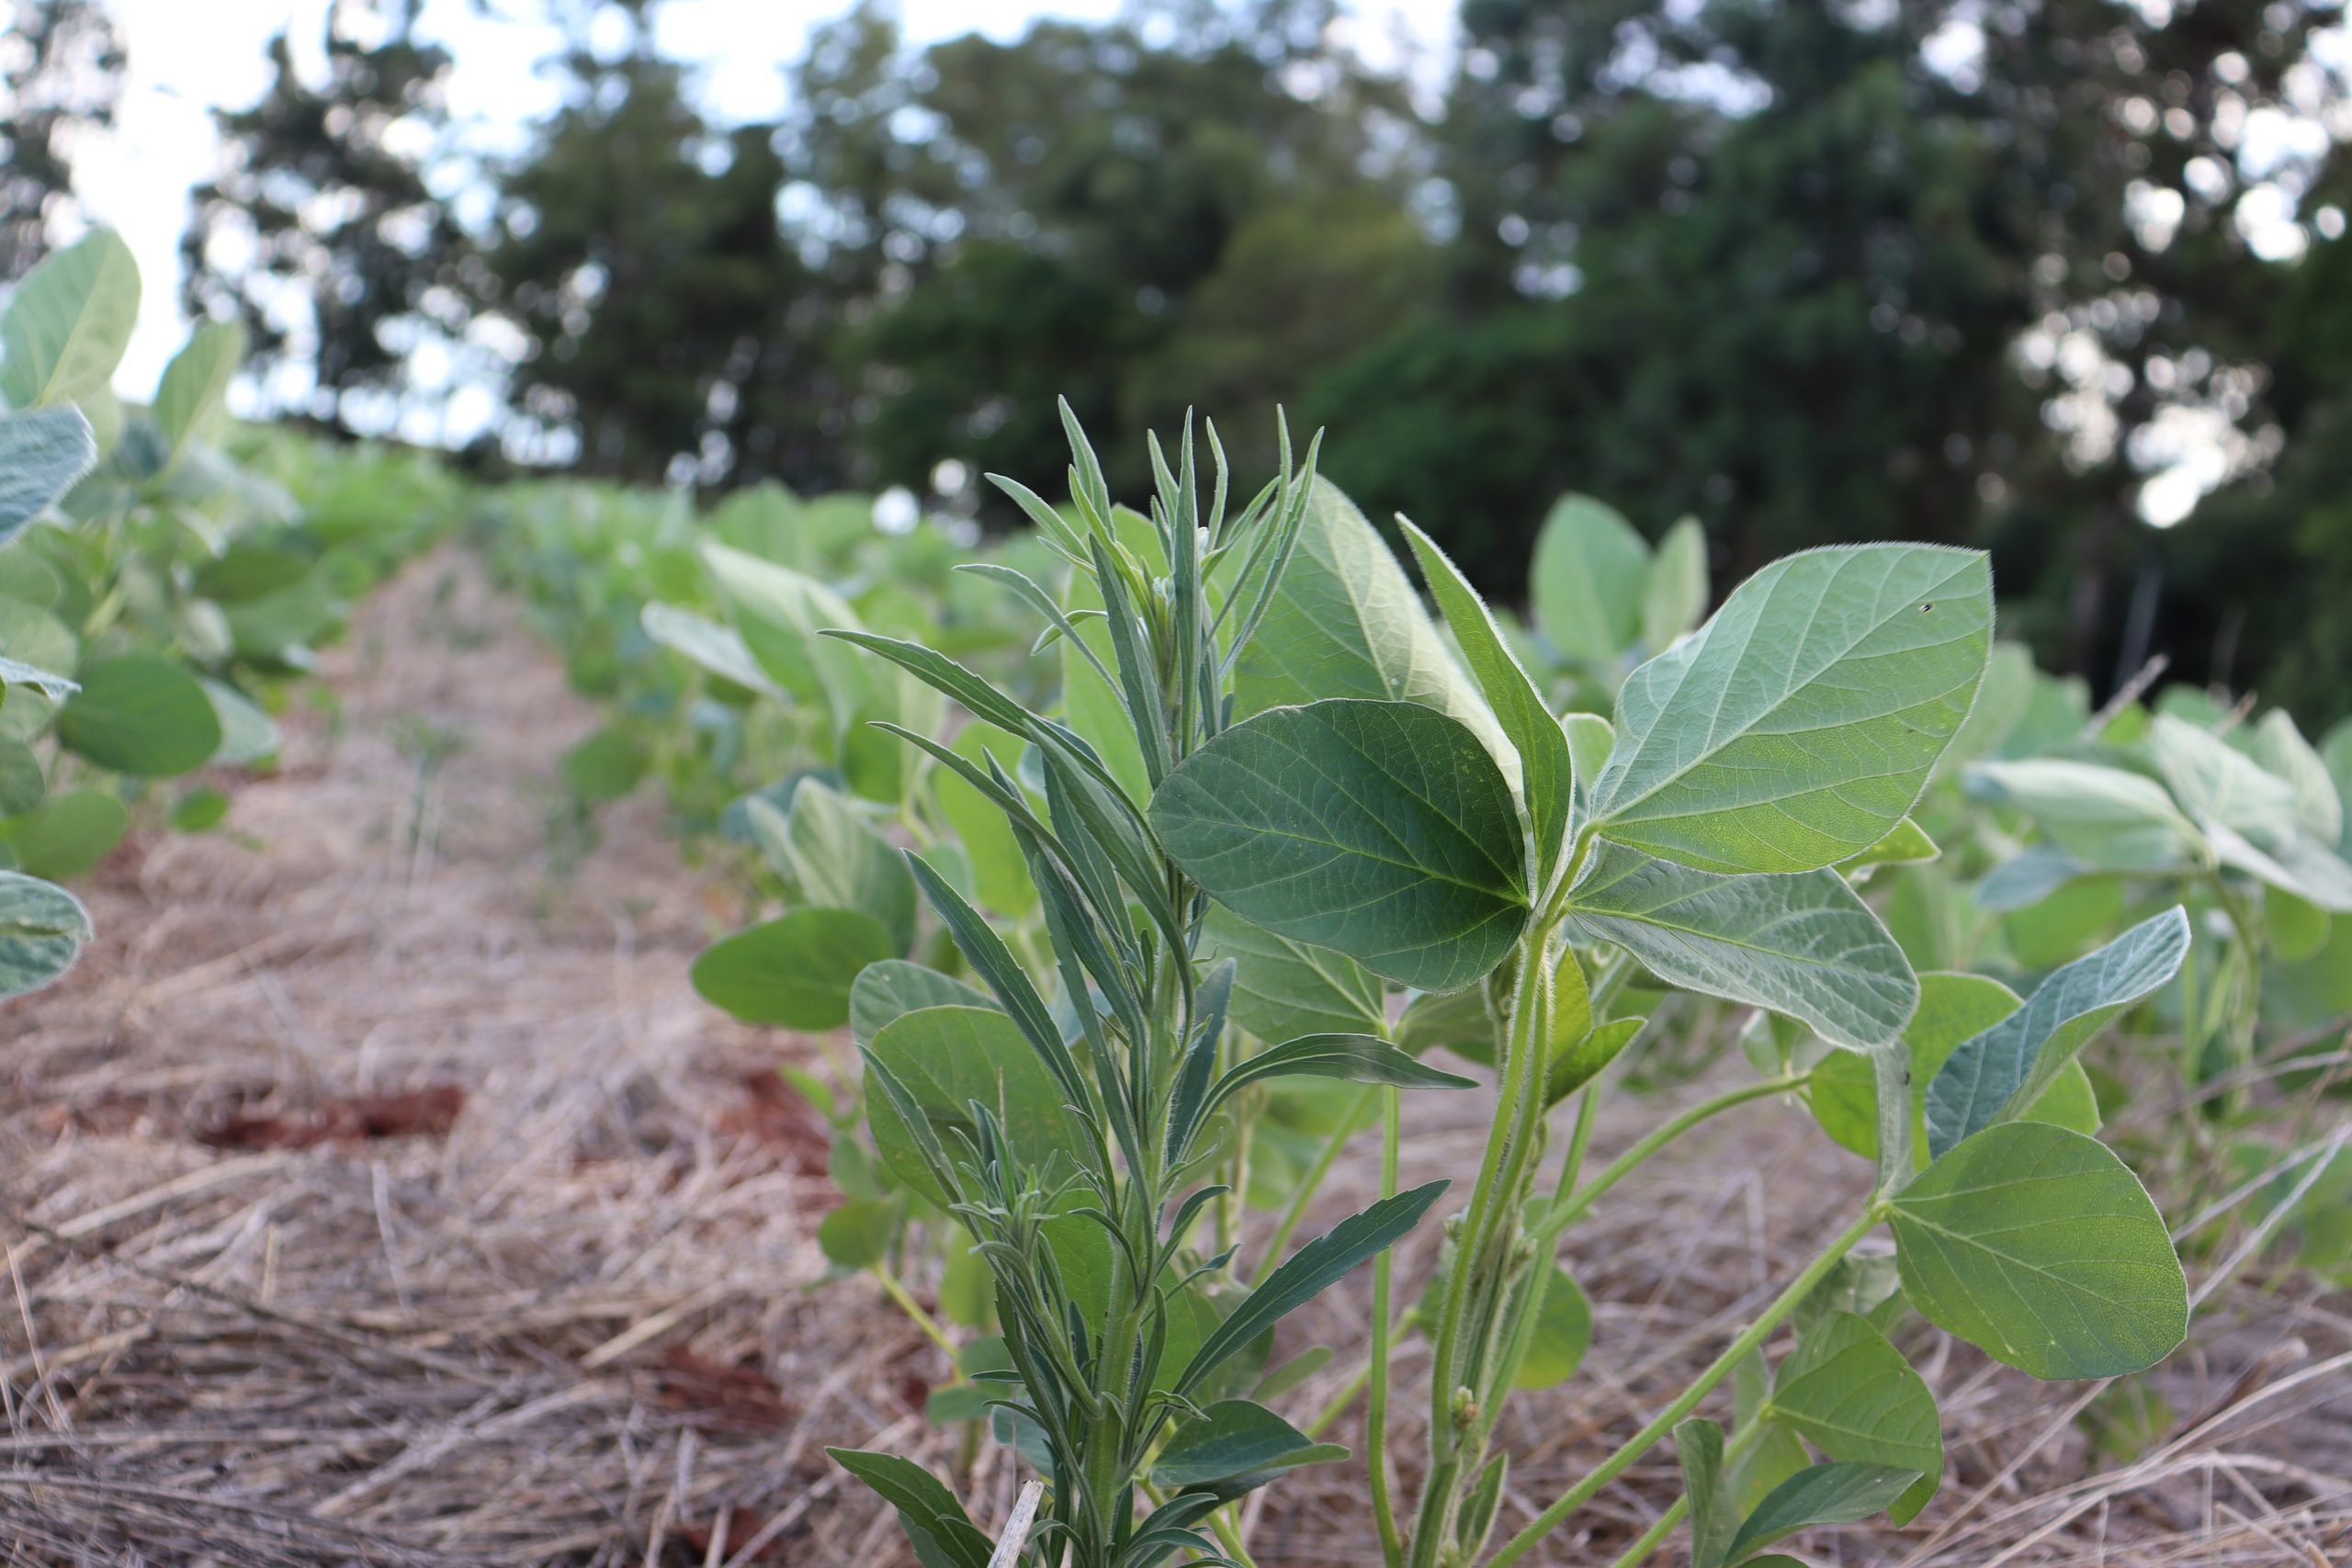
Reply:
x=378, y=1192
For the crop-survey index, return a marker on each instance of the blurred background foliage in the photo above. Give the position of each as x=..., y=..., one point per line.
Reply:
x=2007, y=271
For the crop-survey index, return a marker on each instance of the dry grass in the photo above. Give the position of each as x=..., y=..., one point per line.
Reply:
x=379, y=1194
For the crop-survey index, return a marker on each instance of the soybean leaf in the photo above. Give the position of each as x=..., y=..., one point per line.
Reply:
x=1580, y=1061
x=67, y=834
x=196, y=382
x=140, y=713
x=1356, y=1058
x=1307, y=1273
x=22, y=782
x=947, y=1057
x=1906, y=843
x=1800, y=724
x=42, y=928
x=1590, y=574
x=1462, y=1022
x=1346, y=623
x=1856, y=1398
x=781, y=615
x=1234, y=1447
x=2107, y=819
x=838, y=860
x=923, y=1504
x=1867, y=1284
x=1698, y=1450
x=1563, y=1333
x=2041, y=1248
x=1591, y=739
x=715, y=646
x=1999, y=1072
x=858, y=1234
x=1282, y=988
x=1547, y=772
x=32, y=636
x=2216, y=784
x=247, y=734
x=69, y=321
x=1674, y=599
x=41, y=455
x=2027, y=878
x=1821, y=1495
x=895, y=987
x=50, y=684
x=1382, y=829
x=1805, y=945
x=605, y=767
x=795, y=971
x=2279, y=746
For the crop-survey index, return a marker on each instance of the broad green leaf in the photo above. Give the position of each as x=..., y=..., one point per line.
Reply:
x=2297, y=863
x=48, y=682
x=2002, y=702
x=1854, y=1397
x=1462, y=1022
x=199, y=811
x=1906, y=843
x=1283, y=988
x=1547, y=772
x=1563, y=1333
x=2000, y=1072
x=895, y=987
x=2066, y=924
x=1952, y=1008
x=2027, y=878
x=1867, y=1284
x=196, y=383
x=923, y=1504
x=796, y=971
x=716, y=648
x=1674, y=600
x=1591, y=572
x=1580, y=1061
x=858, y=1234
x=1346, y=623
x=840, y=862
x=247, y=734
x=22, y=782
x=604, y=767
x=1234, y=1447
x=1355, y=1058
x=69, y=321
x=2281, y=748
x=2298, y=927
x=1805, y=945
x=42, y=928
x=2041, y=1248
x=2217, y=784
x=41, y=455
x=1835, y=1494
x=1307, y=1273
x=140, y=713
x=32, y=636
x=1591, y=739
x=2107, y=819
x=1800, y=724
x=1698, y=1450
x=66, y=835
x=1382, y=829
x=950, y=1057
x=780, y=614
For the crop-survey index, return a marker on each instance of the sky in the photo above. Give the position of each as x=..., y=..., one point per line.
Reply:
x=188, y=57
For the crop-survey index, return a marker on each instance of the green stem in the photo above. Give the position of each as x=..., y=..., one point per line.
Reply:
x=1493, y=1199
x=913, y=1309
x=1309, y=1184
x=1375, y=1442
x=1567, y=1210
x=1722, y=1366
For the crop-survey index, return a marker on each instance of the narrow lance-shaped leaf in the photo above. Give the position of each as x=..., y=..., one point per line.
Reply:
x=1698, y=1450
x=1307, y=1272
x=1234, y=1447
x=1382, y=829
x=1800, y=724
x=1546, y=771
x=1997, y=1074
x=2038, y=1246
x=922, y=1501
x=1805, y=945
x=1357, y=1058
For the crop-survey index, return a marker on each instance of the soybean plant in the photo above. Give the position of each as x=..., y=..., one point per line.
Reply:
x=1703, y=841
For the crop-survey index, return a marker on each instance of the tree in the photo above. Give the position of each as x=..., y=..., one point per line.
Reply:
x=324, y=233
x=61, y=76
